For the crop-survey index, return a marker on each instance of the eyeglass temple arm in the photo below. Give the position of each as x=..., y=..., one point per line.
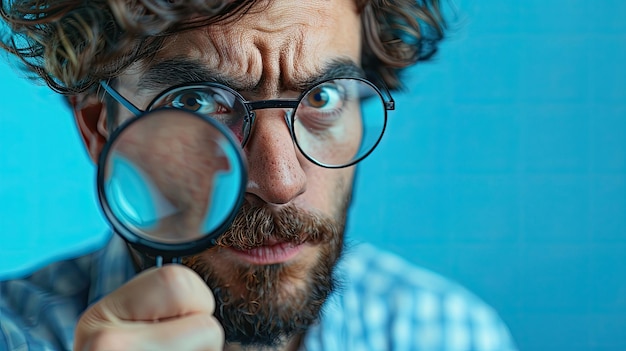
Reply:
x=119, y=98
x=390, y=103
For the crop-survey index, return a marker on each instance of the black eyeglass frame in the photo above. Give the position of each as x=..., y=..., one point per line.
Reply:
x=251, y=106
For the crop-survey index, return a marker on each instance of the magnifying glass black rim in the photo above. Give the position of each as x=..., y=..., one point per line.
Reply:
x=159, y=248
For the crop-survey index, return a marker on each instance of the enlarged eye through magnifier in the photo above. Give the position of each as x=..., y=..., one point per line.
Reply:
x=170, y=182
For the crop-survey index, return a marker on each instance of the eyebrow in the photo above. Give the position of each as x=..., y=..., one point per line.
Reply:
x=178, y=71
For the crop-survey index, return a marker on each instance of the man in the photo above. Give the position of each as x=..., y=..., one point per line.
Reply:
x=268, y=284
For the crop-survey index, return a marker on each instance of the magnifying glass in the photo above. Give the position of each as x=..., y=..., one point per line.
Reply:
x=170, y=182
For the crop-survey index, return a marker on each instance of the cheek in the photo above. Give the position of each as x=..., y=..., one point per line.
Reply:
x=327, y=190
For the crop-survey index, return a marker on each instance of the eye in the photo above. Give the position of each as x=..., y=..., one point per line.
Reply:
x=196, y=101
x=325, y=97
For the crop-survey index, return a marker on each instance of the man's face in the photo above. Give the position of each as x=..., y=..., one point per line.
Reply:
x=271, y=271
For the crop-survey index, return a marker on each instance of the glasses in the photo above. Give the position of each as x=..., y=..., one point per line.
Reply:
x=335, y=123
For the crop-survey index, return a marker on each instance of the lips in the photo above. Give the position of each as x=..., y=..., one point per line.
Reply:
x=271, y=252
x=265, y=235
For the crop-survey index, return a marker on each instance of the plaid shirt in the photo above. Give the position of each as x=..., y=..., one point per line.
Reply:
x=384, y=304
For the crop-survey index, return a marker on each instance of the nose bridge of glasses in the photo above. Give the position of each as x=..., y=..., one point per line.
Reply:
x=289, y=105
x=267, y=104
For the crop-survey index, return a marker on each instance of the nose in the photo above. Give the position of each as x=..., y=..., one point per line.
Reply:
x=276, y=175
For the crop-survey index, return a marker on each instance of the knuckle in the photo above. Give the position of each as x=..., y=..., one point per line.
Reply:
x=212, y=329
x=105, y=339
x=175, y=278
x=174, y=275
x=210, y=301
x=180, y=282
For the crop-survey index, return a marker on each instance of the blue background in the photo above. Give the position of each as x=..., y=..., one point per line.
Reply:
x=503, y=168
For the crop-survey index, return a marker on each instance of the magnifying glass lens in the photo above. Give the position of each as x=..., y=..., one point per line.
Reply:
x=171, y=178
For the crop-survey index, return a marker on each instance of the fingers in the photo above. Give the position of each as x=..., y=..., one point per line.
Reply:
x=193, y=332
x=161, y=309
x=159, y=293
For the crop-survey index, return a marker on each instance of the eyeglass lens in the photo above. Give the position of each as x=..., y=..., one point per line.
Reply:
x=336, y=123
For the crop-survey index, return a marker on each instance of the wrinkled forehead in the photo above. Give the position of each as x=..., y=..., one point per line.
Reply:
x=276, y=46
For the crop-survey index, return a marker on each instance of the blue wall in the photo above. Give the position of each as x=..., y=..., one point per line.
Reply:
x=503, y=168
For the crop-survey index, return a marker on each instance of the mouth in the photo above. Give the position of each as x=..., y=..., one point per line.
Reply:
x=270, y=252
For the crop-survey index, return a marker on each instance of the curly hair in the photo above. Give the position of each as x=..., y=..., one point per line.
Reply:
x=73, y=44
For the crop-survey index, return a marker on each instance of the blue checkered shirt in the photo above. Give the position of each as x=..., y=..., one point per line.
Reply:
x=384, y=304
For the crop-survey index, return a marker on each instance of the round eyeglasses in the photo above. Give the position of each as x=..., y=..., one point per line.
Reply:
x=335, y=123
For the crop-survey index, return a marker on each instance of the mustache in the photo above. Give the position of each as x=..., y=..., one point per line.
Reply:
x=254, y=226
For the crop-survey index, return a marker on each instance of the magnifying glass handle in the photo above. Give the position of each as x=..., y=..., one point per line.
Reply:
x=160, y=260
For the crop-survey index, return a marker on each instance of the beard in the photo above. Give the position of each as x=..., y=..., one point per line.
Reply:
x=264, y=305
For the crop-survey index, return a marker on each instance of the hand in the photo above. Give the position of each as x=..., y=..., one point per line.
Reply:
x=166, y=308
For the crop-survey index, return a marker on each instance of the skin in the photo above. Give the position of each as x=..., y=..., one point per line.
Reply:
x=272, y=51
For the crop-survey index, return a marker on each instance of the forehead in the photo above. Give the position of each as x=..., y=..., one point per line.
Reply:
x=274, y=47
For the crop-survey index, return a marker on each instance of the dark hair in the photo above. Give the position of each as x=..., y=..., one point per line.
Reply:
x=73, y=44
